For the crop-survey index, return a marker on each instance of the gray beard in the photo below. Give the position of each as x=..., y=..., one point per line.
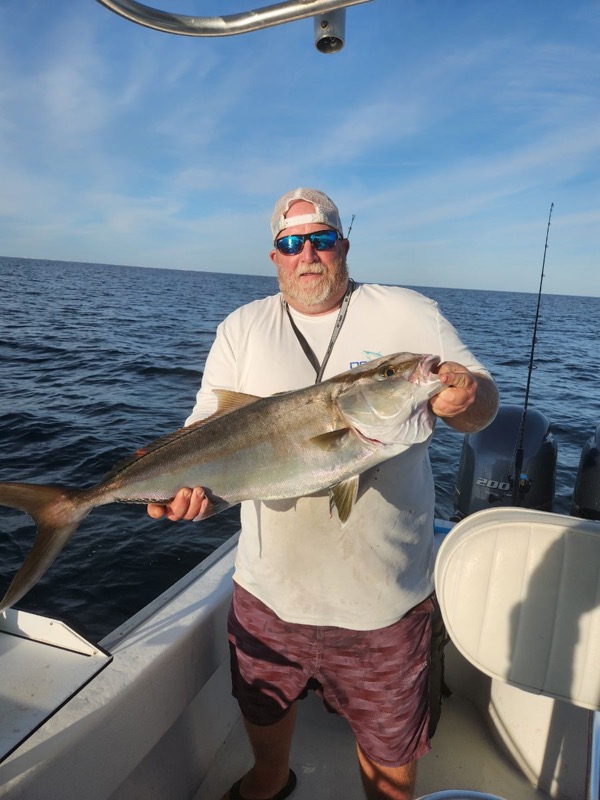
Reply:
x=319, y=291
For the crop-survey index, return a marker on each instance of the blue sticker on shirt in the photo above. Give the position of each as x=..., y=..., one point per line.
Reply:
x=369, y=356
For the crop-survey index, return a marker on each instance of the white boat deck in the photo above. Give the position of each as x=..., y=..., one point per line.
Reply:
x=463, y=756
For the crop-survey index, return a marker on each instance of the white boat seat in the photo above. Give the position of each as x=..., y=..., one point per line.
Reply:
x=519, y=591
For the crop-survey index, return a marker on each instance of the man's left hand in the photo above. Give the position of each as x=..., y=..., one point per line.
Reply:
x=460, y=392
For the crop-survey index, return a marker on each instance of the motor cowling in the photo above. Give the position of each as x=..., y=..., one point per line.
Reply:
x=586, y=494
x=486, y=473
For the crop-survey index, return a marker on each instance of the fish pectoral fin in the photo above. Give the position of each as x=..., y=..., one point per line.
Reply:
x=343, y=496
x=332, y=440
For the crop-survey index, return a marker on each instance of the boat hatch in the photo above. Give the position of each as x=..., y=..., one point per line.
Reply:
x=44, y=663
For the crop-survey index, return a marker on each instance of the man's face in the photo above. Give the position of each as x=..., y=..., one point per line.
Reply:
x=313, y=281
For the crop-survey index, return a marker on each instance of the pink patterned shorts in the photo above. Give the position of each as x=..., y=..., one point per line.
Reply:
x=377, y=680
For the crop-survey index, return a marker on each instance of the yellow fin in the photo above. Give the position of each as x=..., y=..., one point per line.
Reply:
x=343, y=496
x=231, y=401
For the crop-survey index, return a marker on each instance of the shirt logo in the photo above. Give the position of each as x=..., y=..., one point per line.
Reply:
x=369, y=356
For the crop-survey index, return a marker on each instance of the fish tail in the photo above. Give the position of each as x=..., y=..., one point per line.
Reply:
x=57, y=513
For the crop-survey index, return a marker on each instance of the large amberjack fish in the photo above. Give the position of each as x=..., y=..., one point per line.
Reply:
x=285, y=446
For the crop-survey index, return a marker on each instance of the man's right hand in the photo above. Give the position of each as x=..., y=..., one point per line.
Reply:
x=187, y=504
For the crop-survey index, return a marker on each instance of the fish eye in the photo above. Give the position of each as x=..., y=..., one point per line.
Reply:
x=387, y=372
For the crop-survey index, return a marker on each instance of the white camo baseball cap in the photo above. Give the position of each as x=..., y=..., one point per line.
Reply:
x=325, y=211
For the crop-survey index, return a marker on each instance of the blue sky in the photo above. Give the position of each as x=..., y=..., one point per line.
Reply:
x=448, y=128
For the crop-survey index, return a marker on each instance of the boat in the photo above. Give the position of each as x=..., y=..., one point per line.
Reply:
x=147, y=713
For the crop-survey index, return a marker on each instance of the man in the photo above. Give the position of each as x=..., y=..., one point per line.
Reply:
x=345, y=611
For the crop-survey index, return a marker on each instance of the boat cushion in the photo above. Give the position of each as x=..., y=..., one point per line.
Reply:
x=519, y=591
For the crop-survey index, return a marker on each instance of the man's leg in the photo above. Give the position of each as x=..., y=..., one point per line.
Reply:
x=271, y=747
x=378, y=680
x=387, y=783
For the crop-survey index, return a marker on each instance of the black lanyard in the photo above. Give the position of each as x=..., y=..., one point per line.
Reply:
x=308, y=351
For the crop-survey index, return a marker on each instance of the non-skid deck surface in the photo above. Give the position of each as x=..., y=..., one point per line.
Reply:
x=323, y=757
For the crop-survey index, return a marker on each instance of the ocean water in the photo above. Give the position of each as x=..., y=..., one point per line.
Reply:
x=98, y=360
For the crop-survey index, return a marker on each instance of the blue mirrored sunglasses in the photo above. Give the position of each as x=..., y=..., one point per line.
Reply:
x=321, y=240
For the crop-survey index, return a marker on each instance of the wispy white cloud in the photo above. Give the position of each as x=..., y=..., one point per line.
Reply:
x=124, y=145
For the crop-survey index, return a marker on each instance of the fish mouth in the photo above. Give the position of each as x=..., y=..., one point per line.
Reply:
x=426, y=370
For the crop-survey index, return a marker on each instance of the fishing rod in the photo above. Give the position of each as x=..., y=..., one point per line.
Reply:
x=351, y=224
x=520, y=482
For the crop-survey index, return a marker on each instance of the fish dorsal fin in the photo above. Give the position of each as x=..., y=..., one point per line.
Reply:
x=331, y=441
x=343, y=496
x=228, y=401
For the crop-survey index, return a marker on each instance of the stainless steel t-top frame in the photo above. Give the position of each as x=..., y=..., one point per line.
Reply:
x=329, y=19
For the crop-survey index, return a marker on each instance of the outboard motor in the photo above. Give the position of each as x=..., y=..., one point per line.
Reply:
x=487, y=464
x=586, y=495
